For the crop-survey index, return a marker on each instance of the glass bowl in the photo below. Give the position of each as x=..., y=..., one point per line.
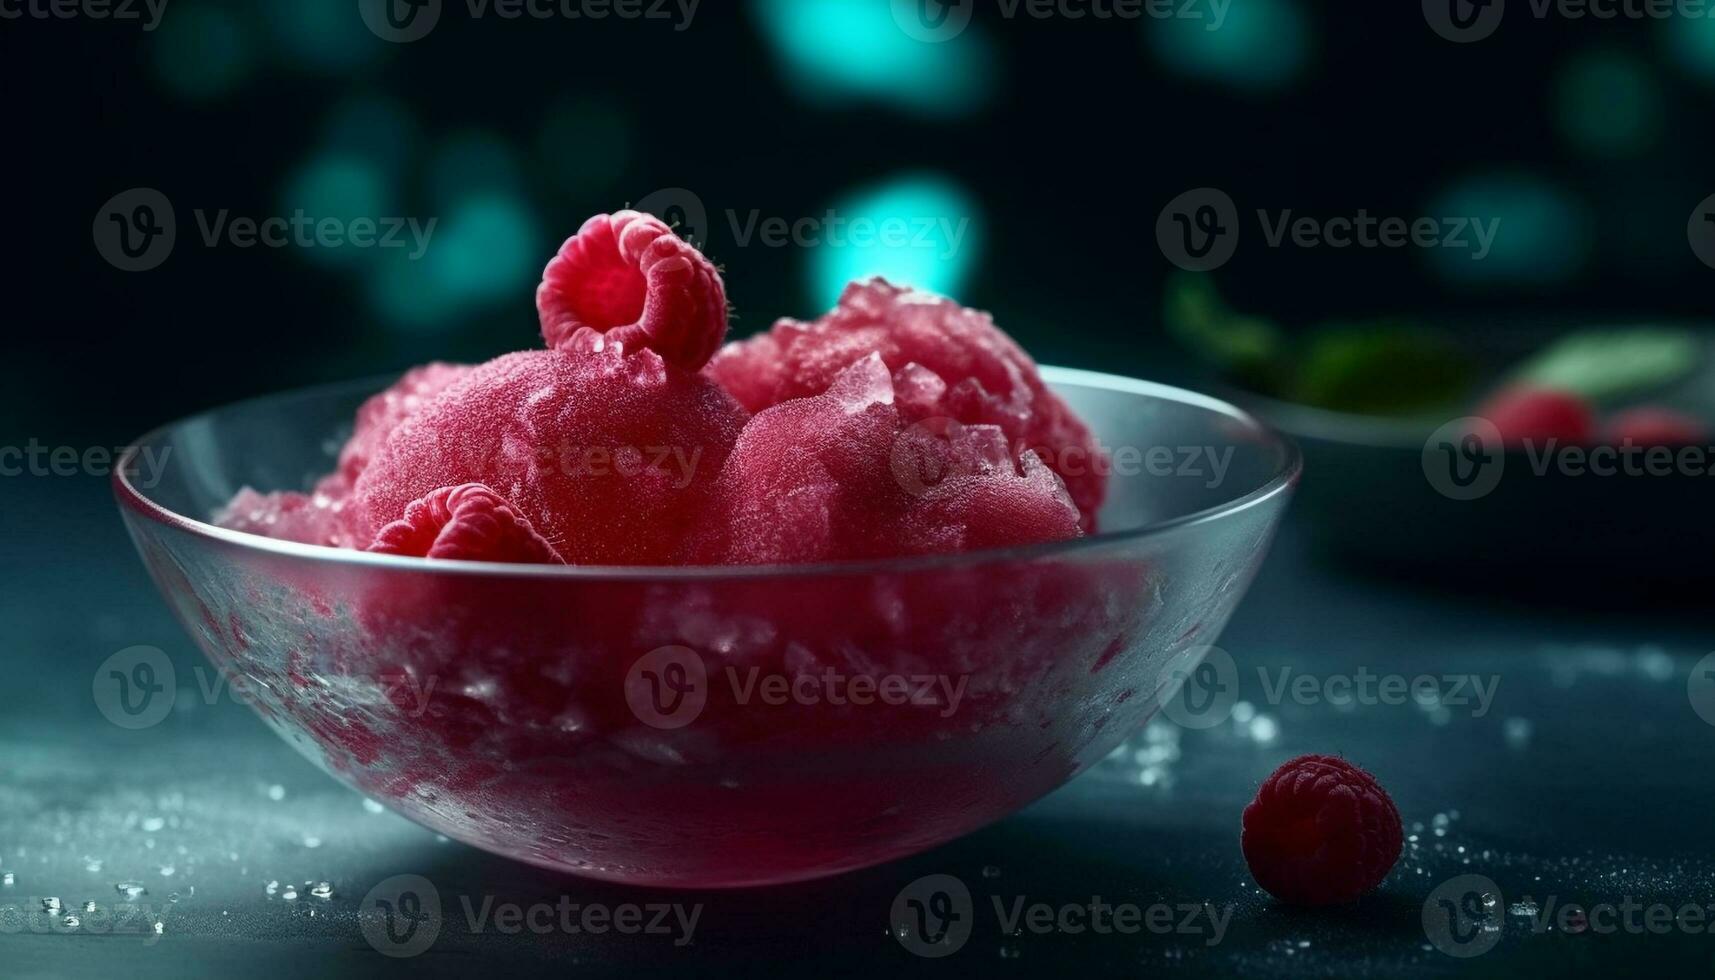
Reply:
x=708, y=727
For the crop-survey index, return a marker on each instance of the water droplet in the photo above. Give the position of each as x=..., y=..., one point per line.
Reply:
x=322, y=890
x=289, y=893
x=160, y=927
x=273, y=887
x=167, y=871
x=130, y=889
x=89, y=906
x=51, y=905
x=9, y=879
x=1526, y=907
x=1489, y=900
x=1517, y=732
x=152, y=824
x=91, y=864
x=1009, y=952
x=312, y=841
x=990, y=871
x=373, y=807
x=72, y=921
x=276, y=792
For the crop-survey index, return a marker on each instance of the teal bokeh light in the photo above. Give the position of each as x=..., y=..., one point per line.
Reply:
x=344, y=187
x=485, y=250
x=1257, y=44
x=918, y=230
x=318, y=35
x=1608, y=103
x=1543, y=235
x=834, y=50
x=585, y=145
x=377, y=128
x=1690, y=42
x=471, y=163
x=202, y=52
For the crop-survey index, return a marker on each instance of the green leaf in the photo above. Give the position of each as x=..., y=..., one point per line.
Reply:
x=1382, y=368
x=1602, y=364
x=1197, y=317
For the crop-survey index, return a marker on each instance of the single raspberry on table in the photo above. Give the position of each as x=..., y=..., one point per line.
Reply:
x=628, y=276
x=1652, y=426
x=468, y=523
x=1524, y=414
x=1321, y=831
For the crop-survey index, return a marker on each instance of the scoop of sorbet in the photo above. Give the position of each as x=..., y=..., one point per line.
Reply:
x=609, y=454
x=947, y=362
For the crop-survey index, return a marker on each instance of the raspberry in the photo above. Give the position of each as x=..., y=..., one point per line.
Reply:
x=947, y=362
x=468, y=523
x=1652, y=425
x=608, y=453
x=1321, y=831
x=628, y=276
x=1536, y=415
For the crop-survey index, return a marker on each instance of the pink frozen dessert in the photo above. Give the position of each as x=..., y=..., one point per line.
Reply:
x=899, y=423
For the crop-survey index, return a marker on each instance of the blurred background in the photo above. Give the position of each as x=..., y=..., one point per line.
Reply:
x=1030, y=156
x=1049, y=144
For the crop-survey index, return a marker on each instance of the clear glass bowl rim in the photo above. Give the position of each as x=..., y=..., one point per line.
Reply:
x=1281, y=481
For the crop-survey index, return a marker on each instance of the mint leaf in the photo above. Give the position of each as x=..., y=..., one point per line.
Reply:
x=1601, y=364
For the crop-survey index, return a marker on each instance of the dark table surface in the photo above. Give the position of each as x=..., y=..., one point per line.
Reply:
x=1582, y=778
